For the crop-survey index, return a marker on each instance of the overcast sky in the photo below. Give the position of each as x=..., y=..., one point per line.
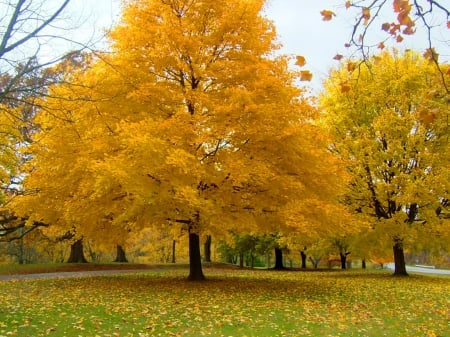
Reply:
x=299, y=25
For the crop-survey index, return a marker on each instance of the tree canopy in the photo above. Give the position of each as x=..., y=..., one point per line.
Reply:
x=193, y=121
x=389, y=117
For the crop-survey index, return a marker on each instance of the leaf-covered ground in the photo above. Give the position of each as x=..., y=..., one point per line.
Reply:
x=230, y=303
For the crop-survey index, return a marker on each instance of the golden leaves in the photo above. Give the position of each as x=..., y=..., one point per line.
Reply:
x=345, y=86
x=431, y=54
x=366, y=15
x=351, y=66
x=300, y=61
x=327, y=15
x=305, y=75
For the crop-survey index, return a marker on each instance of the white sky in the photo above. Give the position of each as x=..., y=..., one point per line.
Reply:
x=299, y=25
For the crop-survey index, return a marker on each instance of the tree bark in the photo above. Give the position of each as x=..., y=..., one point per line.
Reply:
x=120, y=255
x=174, y=244
x=241, y=260
x=207, y=247
x=363, y=263
x=303, y=256
x=195, y=261
x=278, y=259
x=76, y=252
x=344, y=259
x=399, y=258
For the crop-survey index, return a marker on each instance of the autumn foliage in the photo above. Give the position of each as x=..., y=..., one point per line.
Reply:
x=389, y=118
x=192, y=123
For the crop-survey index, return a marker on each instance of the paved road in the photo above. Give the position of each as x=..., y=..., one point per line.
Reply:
x=421, y=270
x=69, y=274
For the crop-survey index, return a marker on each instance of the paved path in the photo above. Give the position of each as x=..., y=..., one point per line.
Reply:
x=69, y=274
x=90, y=273
x=421, y=270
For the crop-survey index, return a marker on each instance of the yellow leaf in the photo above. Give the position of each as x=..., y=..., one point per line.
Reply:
x=305, y=75
x=366, y=13
x=301, y=61
x=327, y=15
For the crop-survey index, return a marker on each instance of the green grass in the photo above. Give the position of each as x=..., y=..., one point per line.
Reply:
x=231, y=303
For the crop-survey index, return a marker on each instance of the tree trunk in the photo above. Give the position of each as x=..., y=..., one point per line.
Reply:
x=76, y=252
x=303, y=256
x=343, y=260
x=363, y=263
x=315, y=261
x=195, y=260
x=278, y=259
x=120, y=256
x=241, y=260
x=399, y=258
x=207, y=246
x=174, y=244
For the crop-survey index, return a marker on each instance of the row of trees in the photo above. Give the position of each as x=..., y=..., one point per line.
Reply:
x=192, y=123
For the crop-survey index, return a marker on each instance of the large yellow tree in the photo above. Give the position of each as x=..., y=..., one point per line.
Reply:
x=190, y=121
x=390, y=119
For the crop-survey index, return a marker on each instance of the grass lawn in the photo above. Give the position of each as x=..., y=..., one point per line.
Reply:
x=232, y=302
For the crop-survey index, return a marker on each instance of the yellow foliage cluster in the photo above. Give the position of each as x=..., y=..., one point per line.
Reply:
x=389, y=117
x=191, y=119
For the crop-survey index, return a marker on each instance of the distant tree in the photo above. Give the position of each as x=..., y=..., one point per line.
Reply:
x=28, y=28
x=389, y=117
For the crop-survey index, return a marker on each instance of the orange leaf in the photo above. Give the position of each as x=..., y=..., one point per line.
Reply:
x=399, y=5
x=385, y=26
x=381, y=45
x=399, y=38
x=394, y=29
x=327, y=15
x=409, y=31
x=345, y=87
x=305, y=75
x=347, y=4
x=337, y=57
x=448, y=24
x=431, y=54
x=351, y=66
x=404, y=19
x=300, y=61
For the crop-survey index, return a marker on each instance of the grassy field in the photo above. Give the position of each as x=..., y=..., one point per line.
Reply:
x=232, y=302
